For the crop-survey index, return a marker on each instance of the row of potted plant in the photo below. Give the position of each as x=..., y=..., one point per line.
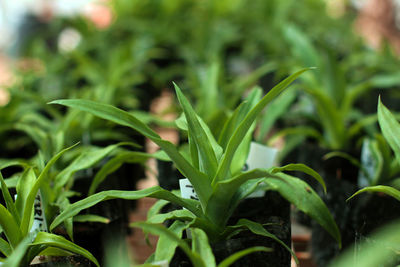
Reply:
x=325, y=110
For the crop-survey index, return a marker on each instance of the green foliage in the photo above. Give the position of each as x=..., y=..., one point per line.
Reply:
x=200, y=253
x=379, y=249
x=209, y=170
x=387, y=167
x=17, y=218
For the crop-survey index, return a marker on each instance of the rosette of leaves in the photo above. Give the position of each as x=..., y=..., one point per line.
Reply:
x=386, y=179
x=54, y=182
x=329, y=103
x=16, y=219
x=214, y=169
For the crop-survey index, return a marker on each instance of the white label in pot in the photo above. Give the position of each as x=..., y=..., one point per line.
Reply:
x=368, y=162
x=187, y=190
x=39, y=219
x=260, y=156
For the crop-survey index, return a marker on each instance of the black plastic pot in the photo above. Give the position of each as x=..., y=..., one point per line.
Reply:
x=271, y=209
x=340, y=177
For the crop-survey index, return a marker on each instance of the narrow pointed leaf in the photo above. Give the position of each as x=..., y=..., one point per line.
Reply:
x=5, y=248
x=245, y=125
x=154, y=192
x=91, y=218
x=207, y=156
x=113, y=164
x=51, y=240
x=9, y=201
x=15, y=259
x=10, y=227
x=165, y=249
x=83, y=161
x=258, y=229
x=302, y=168
x=124, y=118
x=303, y=197
x=24, y=186
x=201, y=246
x=161, y=230
x=28, y=207
x=388, y=190
x=390, y=128
x=182, y=215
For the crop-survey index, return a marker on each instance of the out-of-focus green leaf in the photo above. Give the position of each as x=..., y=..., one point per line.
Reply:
x=16, y=257
x=84, y=161
x=91, y=218
x=9, y=201
x=388, y=190
x=113, y=164
x=390, y=128
x=5, y=248
x=274, y=111
x=380, y=249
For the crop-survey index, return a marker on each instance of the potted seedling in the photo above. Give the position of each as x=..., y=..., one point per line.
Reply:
x=329, y=121
x=381, y=174
x=216, y=178
x=23, y=220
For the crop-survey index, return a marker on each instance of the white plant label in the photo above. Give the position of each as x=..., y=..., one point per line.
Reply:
x=260, y=156
x=368, y=163
x=39, y=219
x=187, y=190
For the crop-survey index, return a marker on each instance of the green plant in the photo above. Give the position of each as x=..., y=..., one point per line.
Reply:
x=210, y=167
x=199, y=253
x=17, y=217
x=330, y=106
x=379, y=249
x=387, y=167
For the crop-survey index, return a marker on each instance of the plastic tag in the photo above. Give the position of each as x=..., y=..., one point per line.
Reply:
x=39, y=219
x=260, y=156
x=368, y=162
x=187, y=190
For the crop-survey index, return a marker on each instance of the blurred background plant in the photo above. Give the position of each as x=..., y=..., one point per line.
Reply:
x=126, y=53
